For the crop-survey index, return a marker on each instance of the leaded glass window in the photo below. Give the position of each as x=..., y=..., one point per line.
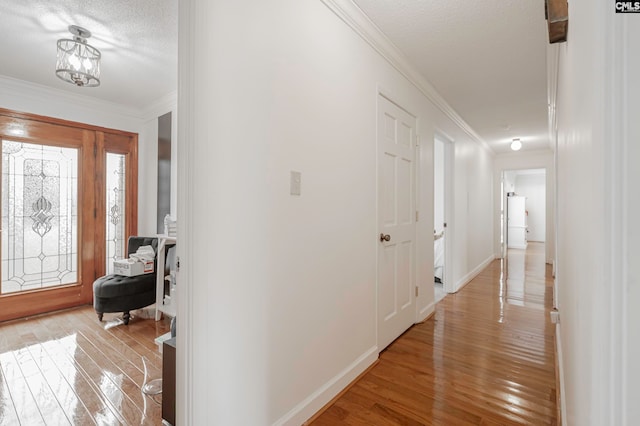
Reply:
x=116, y=186
x=39, y=216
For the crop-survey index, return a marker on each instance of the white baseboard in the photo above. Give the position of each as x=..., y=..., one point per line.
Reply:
x=560, y=372
x=314, y=402
x=471, y=275
x=426, y=312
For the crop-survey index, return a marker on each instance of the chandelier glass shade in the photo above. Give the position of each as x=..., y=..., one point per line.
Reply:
x=78, y=62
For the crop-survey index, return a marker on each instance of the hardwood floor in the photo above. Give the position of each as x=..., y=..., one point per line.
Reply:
x=486, y=357
x=67, y=368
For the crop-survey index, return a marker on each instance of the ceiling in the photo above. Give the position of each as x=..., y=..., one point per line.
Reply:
x=138, y=41
x=487, y=59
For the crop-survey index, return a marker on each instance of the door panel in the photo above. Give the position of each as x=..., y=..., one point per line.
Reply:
x=116, y=206
x=40, y=216
x=386, y=294
x=52, y=183
x=404, y=265
x=396, y=217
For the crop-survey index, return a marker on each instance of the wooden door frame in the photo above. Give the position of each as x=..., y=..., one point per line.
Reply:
x=127, y=145
x=32, y=128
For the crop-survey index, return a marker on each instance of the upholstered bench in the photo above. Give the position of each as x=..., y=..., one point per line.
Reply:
x=117, y=293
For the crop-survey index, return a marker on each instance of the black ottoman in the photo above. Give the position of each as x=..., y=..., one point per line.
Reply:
x=117, y=293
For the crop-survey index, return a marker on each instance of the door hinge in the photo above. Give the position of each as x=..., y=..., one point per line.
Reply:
x=417, y=215
x=95, y=150
x=417, y=291
x=417, y=140
x=95, y=212
x=177, y=263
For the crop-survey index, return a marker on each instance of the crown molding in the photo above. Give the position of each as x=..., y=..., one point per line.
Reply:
x=161, y=106
x=25, y=89
x=360, y=23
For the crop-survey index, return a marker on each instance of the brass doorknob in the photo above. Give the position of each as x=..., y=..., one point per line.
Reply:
x=384, y=237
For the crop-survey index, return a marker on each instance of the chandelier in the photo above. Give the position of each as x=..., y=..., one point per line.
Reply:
x=78, y=62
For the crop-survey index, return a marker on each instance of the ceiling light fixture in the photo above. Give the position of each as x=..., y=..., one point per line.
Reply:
x=78, y=62
x=516, y=144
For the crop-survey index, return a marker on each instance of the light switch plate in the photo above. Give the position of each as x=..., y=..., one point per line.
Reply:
x=296, y=181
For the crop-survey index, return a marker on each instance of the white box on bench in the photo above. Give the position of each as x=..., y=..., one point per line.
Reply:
x=132, y=267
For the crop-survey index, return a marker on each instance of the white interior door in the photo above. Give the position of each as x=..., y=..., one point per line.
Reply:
x=396, y=220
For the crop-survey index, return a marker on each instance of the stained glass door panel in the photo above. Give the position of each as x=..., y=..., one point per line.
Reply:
x=115, y=203
x=39, y=216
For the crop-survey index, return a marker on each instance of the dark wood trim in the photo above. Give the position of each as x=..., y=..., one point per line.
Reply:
x=132, y=189
x=126, y=145
x=20, y=305
x=557, y=14
x=99, y=188
x=92, y=143
x=86, y=218
x=59, y=121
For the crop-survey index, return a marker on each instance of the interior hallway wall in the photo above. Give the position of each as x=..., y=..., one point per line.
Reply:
x=148, y=164
x=279, y=311
x=631, y=195
x=597, y=102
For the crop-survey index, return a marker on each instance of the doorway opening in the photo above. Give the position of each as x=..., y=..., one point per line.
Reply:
x=523, y=217
x=442, y=211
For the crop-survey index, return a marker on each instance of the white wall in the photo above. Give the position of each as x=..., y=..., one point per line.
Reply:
x=631, y=195
x=510, y=181
x=532, y=186
x=148, y=163
x=597, y=271
x=279, y=308
x=520, y=161
x=472, y=227
x=27, y=97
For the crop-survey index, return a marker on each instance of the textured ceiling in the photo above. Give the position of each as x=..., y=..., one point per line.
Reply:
x=487, y=59
x=138, y=40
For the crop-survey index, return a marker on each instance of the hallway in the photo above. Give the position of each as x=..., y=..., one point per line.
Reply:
x=485, y=357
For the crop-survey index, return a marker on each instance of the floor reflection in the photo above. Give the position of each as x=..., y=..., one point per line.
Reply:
x=486, y=356
x=67, y=368
x=525, y=276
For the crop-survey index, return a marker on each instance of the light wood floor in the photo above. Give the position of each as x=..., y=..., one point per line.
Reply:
x=67, y=368
x=486, y=357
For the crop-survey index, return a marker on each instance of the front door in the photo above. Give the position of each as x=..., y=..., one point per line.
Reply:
x=396, y=221
x=54, y=202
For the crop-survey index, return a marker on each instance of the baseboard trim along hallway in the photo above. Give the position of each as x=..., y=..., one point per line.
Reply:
x=311, y=405
x=487, y=356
